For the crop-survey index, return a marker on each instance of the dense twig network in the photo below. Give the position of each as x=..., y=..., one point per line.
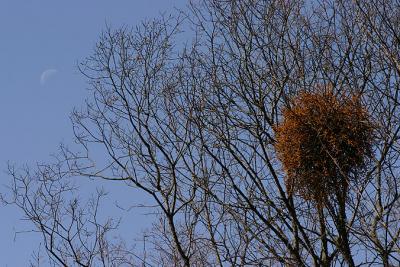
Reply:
x=199, y=130
x=322, y=141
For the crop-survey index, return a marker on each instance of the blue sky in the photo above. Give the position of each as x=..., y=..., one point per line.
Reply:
x=41, y=43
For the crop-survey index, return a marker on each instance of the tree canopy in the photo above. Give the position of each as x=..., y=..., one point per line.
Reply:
x=230, y=136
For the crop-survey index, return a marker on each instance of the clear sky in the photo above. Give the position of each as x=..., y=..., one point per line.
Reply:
x=40, y=45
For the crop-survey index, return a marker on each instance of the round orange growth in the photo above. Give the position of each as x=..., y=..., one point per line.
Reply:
x=322, y=140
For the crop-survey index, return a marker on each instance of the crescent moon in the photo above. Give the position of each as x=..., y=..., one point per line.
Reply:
x=46, y=75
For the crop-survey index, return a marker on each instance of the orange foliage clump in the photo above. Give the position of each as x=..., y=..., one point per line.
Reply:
x=321, y=141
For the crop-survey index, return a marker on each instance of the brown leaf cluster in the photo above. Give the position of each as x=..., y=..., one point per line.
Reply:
x=322, y=140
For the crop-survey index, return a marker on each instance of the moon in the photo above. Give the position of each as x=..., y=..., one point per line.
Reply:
x=46, y=75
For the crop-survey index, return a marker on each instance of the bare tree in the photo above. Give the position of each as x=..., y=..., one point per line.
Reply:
x=72, y=233
x=194, y=127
